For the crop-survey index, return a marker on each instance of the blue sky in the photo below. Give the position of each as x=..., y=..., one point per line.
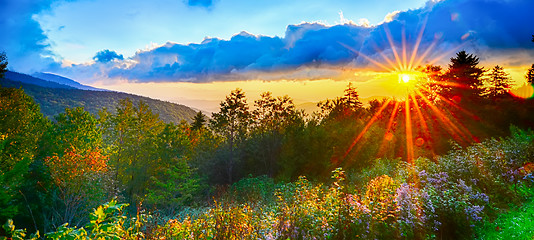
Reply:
x=78, y=29
x=204, y=41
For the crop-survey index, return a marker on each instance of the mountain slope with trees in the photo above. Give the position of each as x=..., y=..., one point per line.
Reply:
x=55, y=98
x=65, y=81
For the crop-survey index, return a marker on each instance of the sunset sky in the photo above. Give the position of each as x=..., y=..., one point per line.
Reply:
x=195, y=52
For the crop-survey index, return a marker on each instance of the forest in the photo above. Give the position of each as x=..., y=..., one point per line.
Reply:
x=53, y=98
x=453, y=160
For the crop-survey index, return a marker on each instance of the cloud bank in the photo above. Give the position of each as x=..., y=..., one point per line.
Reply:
x=313, y=50
x=488, y=28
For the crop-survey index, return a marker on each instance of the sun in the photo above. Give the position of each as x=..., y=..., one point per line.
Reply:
x=410, y=79
x=404, y=78
x=417, y=108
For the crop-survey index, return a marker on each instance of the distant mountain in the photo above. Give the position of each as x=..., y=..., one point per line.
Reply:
x=308, y=107
x=369, y=99
x=65, y=81
x=23, y=78
x=53, y=98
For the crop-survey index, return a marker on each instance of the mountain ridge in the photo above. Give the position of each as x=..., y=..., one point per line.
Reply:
x=54, y=97
x=65, y=81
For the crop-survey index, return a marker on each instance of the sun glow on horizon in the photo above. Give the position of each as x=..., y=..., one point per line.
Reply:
x=418, y=96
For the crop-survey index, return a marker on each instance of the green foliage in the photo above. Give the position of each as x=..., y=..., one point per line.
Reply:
x=75, y=128
x=174, y=187
x=54, y=101
x=233, y=118
x=21, y=125
x=50, y=177
x=232, y=123
x=9, y=194
x=515, y=224
x=379, y=167
x=106, y=222
x=16, y=234
x=252, y=190
x=423, y=200
x=133, y=138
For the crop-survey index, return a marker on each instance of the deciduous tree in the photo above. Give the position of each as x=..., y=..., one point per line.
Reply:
x=232, y=122
x=75, y=128
x=271, y=118
x=132, y=134
x=21, y=125
x=80, y=184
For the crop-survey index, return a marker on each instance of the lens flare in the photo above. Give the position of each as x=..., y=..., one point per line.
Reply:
x=422, y=108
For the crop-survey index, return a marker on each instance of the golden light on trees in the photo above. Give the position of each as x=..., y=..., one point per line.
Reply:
x=406, y=66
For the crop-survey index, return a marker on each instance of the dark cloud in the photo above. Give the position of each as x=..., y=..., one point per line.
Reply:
x=106, y=56
x=22, y=38
x=200, y=3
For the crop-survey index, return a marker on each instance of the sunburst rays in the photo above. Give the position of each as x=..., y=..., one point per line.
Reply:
x=417, y=131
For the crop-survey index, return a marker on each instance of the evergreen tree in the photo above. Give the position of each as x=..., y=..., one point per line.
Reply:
x=464, y=77
x=198, y=121
x=351, y=98
x=530, y=75
x=342, y=106
x=499, y=83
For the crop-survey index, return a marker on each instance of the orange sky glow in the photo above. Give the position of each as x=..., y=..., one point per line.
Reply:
x=207, y=96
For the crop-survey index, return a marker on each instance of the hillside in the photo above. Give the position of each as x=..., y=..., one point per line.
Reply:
x=55, y=98
x=65, y=81
x=27, y=79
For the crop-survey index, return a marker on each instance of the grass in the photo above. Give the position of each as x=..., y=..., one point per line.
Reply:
x=518, y=223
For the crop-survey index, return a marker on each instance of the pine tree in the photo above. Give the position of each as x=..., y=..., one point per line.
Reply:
x=530, y=75
x=198, y=121
x=351, y=98
x=499, y=83
x=464, y=77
